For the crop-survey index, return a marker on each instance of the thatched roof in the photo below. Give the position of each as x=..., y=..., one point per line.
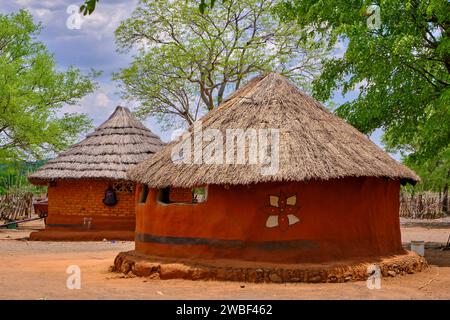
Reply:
x=314, y=143
x=116, y=145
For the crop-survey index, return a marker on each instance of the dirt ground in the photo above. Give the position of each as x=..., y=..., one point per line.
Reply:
x=37, y=270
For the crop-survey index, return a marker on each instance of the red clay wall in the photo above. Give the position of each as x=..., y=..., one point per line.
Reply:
x=72, y=200
x=345, y=218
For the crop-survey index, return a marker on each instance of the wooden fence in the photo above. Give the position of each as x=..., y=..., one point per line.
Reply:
x=427, y=205
x=16, y=206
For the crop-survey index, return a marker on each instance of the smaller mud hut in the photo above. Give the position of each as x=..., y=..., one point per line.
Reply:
x=89, y=195
x=270, y=186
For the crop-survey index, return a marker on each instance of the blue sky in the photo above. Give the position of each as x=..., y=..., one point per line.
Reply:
x=93, y=46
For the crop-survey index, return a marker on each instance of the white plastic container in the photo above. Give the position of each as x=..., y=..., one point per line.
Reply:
x=418, y=247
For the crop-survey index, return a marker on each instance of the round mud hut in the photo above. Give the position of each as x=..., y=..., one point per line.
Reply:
x=89, y=194
x=269, y=181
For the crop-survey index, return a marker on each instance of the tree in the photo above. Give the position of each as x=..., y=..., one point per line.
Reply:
x=181, y=52
x=13, y=177
x=32, y=93
x=401, y=69
x=435, y=175
x=166, y=98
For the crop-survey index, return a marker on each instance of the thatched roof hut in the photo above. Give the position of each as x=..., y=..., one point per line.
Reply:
x=314, y=143
x=88, y=186
x=334, y=194
x=107, y=153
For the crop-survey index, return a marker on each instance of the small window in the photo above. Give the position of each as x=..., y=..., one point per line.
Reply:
x=183, y=195
x=144, y=194
x=123, y=187
x=199, y=195
x=164, y=195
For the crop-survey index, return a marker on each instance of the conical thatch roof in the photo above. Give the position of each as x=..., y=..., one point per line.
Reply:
x=116, y=145
x=313, y=142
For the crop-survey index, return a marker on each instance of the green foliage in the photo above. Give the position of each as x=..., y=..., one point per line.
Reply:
x=182, y=52
x=435, y=173
x=32, y=93
x=204, y=4
x=88, y=7
x=13, y=178
x=402, y=71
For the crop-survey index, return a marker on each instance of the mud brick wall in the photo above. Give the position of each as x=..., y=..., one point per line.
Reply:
x=330, y=220
x=72, y=200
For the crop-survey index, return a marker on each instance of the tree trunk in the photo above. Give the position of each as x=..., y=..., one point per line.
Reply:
x=420, y=205
x=445, y=196
x=445, y=199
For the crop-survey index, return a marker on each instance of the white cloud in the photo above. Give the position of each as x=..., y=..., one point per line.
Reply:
x=106, y=18
x=97, y=105
x=50, y=4
x=101, y=24
x=102, y=100
x=42, y=14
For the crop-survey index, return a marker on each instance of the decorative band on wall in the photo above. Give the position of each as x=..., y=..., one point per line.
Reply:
x=220, y=243
x=64, y=225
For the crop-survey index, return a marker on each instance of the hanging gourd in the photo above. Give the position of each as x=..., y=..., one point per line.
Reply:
x=110, y=198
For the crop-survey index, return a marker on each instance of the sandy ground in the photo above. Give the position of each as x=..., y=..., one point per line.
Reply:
x=37, y=270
